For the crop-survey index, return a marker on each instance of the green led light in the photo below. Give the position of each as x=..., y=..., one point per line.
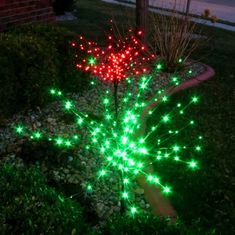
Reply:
x=150, y=178
x=193, y=164
x=136, y=171
x=109, y=159
x=140, y=165
x=133, y=210
x=198, y=148
x=59, y=141
x=164, y=98
x=102, y=173
x=126, y=181
x=166, y=118
x=159, y=157
x=195, y=99
x=89, y=188
x=37, y=135
x=159, y=66
x=125, y=195
x=124, y=140
x=106, y=101
x=80, y=121
x=153, y=128
x=166, y=190
x=52, y=91
x=91, y=61
x=68, y=143
x=176, y=158
x=19, y=129
x=143, y=86
x=156, y=180
x=176, y=148
x=166, y=155
x=108, y=117
x=143, y=150
x=120, y=166
x=144, y=78
x=68, y=105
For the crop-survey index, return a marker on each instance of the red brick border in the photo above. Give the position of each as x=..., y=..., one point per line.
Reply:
x=194, y=81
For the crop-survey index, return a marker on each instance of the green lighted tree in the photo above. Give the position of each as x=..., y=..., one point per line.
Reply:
x=123, y=143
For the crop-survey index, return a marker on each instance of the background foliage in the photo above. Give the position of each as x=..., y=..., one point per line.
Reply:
x=32, y=59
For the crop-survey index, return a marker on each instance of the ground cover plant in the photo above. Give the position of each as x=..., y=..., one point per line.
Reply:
x=29, y=206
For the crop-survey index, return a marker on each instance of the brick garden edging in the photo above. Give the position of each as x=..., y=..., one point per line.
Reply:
x=194, y=81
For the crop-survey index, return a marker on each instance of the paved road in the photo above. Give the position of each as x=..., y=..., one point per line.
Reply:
x=230, y=9
x=222, y=9
x=220, y=2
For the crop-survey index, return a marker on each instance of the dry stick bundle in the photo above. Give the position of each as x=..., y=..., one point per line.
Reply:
x=174, y=38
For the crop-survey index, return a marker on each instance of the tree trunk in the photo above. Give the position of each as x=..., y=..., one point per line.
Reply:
x=142, y=18
x=188, y=7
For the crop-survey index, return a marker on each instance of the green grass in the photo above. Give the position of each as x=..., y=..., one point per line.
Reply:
x=204, y=200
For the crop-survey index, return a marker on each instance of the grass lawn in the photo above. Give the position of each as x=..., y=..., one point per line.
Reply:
x=204, y=199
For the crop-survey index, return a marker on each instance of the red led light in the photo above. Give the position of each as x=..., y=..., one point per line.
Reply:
x=117, y=60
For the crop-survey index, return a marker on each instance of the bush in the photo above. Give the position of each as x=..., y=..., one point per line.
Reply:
x=27, y=67
x=32, y=58
x=58, y=37
x=28, y=206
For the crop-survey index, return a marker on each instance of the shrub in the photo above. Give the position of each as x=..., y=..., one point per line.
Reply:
x=27, y=67
x=28, y=206
x=60, y=38
x=32, y=58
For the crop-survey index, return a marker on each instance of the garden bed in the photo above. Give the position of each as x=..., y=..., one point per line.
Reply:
x=72, y=170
